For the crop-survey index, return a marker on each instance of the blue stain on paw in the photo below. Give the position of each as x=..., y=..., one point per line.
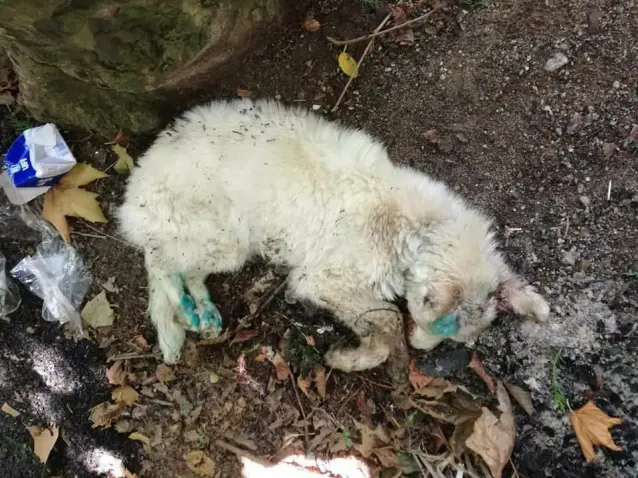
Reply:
x=211, y=315
x=445, y=326
x=187, y=304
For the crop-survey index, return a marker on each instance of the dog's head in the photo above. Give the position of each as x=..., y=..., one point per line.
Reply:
x=454, y=270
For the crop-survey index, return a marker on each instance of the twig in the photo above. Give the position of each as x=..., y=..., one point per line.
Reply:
x=94, y=229
x=303, y=413
x=347, y=400
x=365, y=52
x=383, y=32
x=243, y=453
x=133, y=355
x=609, y=191
x=265, y=303
x=382, y=385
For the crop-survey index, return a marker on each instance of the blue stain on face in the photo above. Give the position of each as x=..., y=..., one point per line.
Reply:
x=445, y=326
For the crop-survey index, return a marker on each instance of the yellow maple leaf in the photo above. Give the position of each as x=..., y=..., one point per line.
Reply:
x=67, y=199
x=124, y=162
x=348, y=65
x=591, y=426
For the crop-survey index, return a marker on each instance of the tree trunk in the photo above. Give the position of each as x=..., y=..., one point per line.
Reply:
x=106, y=65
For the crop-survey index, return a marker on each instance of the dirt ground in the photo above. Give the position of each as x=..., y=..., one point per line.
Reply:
x=471, y=103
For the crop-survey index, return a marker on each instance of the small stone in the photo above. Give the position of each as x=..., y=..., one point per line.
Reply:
x=580, y=188
x=616, y=84
x=585, y=201
x=213, y=377
x=556, y=61
x=608, y=149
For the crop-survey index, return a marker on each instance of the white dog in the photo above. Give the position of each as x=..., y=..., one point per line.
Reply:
x=230, y=181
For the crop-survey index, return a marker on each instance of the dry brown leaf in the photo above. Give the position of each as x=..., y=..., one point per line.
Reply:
x=459, y=437
x=121, y=138
x=164, y=374
x=124, y=164
x=477, y=366
x=417, y=378
x=591, y=426
x=9, y=410
x=104, y=414
x=493, y=438
x=116, y=374
x=436, y=388
x=44, y=440
x=311, y=25
x=522, y=397
x=362, y=404
x=243, y=336
x=244, y=93
x=633, y=136
x=128, y=474
x=124, y=394
x=304, y=384
x=66, y=199
x=199, y=463
x=98, y=312
x=370, y=438
x=141, y=342
x=146, y=441
x=403, y=36
x=386, y=456
x=310, y=340
x=319, y=374
x=281, y=367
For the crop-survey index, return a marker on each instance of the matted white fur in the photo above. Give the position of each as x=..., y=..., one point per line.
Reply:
x=230, y=181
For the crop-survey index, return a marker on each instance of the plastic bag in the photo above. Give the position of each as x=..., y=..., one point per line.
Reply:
x=9, y=294
x=56, y=274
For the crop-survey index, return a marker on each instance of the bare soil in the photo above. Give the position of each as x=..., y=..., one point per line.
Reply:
x=469, y=103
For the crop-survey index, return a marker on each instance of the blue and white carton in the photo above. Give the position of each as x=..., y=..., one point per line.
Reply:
x=36, y=160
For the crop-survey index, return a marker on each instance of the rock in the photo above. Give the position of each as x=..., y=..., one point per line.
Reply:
x=556, y=61
x=608, y=149
x=123, y=65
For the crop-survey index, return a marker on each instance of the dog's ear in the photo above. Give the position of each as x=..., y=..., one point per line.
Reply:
x=518, y=297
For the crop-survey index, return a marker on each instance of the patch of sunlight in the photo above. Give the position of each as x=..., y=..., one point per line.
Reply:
x=299, y=466
x=43, y=404
x=103, y=462
x=53, y=370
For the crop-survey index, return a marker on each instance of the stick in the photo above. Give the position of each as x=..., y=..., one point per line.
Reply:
x=365, y=52
x=383, y=32
x=293, y=382
x=243, y=453
x=133, y=355
x=266, y=302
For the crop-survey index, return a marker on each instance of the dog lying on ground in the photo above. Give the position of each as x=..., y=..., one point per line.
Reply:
x=231, y=181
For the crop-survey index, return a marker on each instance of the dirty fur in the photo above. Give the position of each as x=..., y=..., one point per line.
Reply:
x=232, y=181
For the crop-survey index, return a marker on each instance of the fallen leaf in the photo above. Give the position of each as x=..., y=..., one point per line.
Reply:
x=243, y=336
x=362, y=404
x=386, y=456
x=436, y=388
x=440, y=439
x=304, y=384
x=146, y=441
x=608, y=149
x=104, y=414
x=477, y=366
x=124, y=163
x=459, y=437
x=128, y=474
x=281, y=367
x=522, y=397
x=311, y=25
x=417, y=378
x=591, y=426
x=44, y=440
x=403, y=36
x=98, y=312
x=66, y=199
x=493, y=438
x=141, y=342
x=319, y=375
x=124, y=394
x=121, y=138
x=310, y=340
x=199, y=463
x=348, y=65
x=633, y=136
x=9, y=410
x=371, y=438
x=244, y=93
x=164, y=373
x=116, y=374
